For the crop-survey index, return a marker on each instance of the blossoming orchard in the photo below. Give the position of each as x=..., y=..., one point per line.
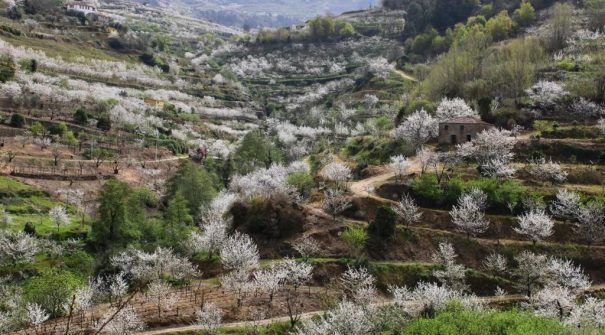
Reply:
x=392, y=167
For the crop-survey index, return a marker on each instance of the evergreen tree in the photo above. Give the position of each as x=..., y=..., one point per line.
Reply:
x=112, y=227
x=255, y=152
x=524, y=15
x=8, y=68
x=178, y=212
x=195, y=184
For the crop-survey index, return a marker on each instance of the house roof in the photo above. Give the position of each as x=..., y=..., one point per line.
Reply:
x=466, y=120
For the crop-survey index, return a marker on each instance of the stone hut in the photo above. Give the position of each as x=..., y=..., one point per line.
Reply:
x=83, y=6
x=460, y=130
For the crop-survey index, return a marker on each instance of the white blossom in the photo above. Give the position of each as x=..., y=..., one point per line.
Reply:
x=18, y=247
x=380, y=67
x=429, y=297
x=336, y=172
x=36, y=315
x=586, y=108
x=237, y=281
x=347, y=318
x=531, y=270
x=492, y=149
x=214, y=225
x=418, y=128
x=565, y=274
x=399, y=165
x=59, y=216
x=148, y=266
x=239, y=252
x=334, y=202
x=125, y=322
x=297, y=273
x=452, y=275
x=495, y=264
x=83, y=298
x=407, y=210
x=591, y=222
x=601, y=125
x=307, y=247
x=267, y=183
x=552, y=302
x=5, y=322
x=269, y=280
x=209, y=318
x=454, y=108
x=210, y=240
x=468, y=214
x=358, y=284
x=500, y=292
x=546, y=94
x=535, y=224
x=370, y=100
x=589, y=314
x=161, y=295
x=566, y=205
x=498, y=167
x=544, y=170
x=425, y=157
x=5, y=218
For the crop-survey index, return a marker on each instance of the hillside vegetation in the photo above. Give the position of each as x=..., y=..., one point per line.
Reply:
x=419, y=167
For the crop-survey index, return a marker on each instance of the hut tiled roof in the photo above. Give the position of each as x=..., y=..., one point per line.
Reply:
x=466, y=120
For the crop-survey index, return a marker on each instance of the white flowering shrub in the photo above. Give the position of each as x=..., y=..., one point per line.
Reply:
x=418, y=128
x=430, y=297
x=535, y=224
x=452, y=275
x=544, y=170
x=546, y=94
x=271, y=182
x=17, y=248
x=493, y=151
x=468, y=214
x=407, y=210
x=454, y=108
x=143, y=266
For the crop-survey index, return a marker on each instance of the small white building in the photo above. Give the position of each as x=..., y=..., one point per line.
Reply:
x=83, y=6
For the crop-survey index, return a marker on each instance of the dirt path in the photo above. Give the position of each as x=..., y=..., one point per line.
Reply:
x=406, y=76
x=365, y=188
x=233, y=325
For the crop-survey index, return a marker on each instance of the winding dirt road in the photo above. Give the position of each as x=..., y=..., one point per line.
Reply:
x=365, y=188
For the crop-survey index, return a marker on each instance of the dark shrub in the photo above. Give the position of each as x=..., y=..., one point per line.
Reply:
x=268, y=218
x=58, y=129
x=17, y=121
x=104, y=123
x=29, y=229
x=384, y=224
x=500, y=194
x=80, y=116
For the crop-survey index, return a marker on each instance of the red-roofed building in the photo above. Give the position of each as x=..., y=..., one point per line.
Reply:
x=461, y=129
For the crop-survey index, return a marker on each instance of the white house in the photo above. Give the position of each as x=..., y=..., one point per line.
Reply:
x=83, y=6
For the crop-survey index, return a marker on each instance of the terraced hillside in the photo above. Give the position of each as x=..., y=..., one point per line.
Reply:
x=405, y=169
